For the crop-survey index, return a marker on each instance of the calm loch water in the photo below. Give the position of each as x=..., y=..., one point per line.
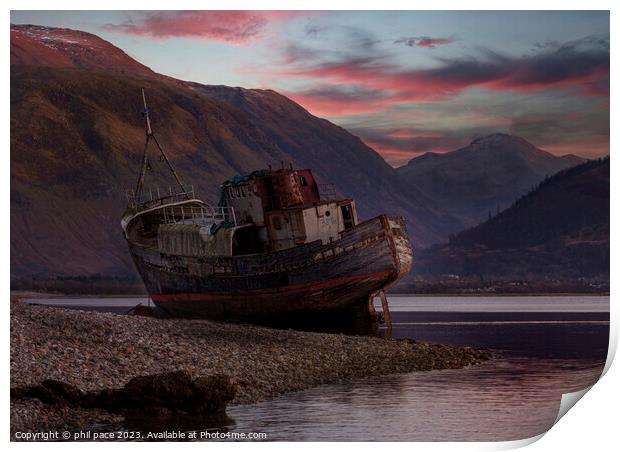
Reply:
x=543, y=346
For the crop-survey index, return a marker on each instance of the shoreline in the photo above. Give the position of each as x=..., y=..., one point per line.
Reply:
x=502, y=295
x=94, y=351
x=28, y=295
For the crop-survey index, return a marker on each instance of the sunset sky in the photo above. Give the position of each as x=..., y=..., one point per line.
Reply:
x=405, y=82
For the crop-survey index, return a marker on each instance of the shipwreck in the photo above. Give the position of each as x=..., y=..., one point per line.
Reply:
x=277, y=249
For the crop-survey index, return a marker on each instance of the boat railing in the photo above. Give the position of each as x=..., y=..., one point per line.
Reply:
x=203, y=215
x=154, y=197
x=327, y=192
x=170, y=205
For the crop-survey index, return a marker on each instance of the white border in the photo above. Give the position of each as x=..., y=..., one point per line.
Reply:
x=592, y=425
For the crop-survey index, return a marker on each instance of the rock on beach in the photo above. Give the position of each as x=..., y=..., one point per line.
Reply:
x=93, y=351
x=148, y=395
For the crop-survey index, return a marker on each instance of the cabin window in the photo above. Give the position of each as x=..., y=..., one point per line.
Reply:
x=347, y=216
x=277, y=224
x=327, y=213
x=302, y=181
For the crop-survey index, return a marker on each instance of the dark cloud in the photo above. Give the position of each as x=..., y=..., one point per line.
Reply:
x=294, y=53
x=361, y=38
x=573, y=61
x=353, y=38
x=582, y=64
x=314, y=31
x=343, y=93
x=583, y=133
x=424, y=41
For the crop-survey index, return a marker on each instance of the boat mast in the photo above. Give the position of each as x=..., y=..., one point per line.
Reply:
x=151, y=136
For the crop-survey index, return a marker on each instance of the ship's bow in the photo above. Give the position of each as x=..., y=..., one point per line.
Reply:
x=400, y=245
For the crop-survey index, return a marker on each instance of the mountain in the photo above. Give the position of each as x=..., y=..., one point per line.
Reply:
x=36, y=45
x=77, y=138
x=560, y=230
x=479, y=179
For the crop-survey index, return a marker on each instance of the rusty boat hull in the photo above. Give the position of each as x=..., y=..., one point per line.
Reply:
x=328, y=284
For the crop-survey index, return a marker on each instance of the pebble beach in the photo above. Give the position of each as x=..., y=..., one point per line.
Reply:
x=94, y=351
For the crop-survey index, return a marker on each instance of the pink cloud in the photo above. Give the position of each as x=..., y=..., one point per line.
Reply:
x=408, y=134
x=235, y=27
x=435, y=84
x=399, y=145
x=397, y=157
x=403, y=86
x=335, y=100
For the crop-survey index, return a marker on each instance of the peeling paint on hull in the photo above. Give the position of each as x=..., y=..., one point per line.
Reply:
x=314, y=282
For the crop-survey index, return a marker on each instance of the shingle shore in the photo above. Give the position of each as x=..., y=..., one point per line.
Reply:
x=94, y=350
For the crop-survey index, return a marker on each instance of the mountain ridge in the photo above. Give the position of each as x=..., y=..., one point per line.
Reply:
x=39, y=45
x=487, y=175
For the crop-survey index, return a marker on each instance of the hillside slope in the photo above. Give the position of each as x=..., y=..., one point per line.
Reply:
x=560, y=230
x=63, y=48
x=489, y=174
x=77, y=137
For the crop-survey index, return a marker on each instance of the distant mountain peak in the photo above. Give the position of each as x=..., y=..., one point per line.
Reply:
x=491, y=172
x=498, y=139
x=50, y=33
x=38, y=45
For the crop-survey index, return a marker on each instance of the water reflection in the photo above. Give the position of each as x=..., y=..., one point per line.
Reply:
x=506, y=399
